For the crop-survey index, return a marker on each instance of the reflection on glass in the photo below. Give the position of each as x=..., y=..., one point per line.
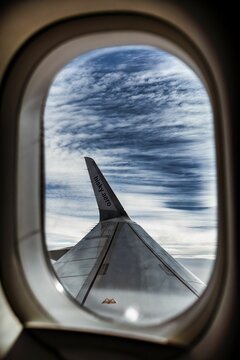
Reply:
x=145, y=118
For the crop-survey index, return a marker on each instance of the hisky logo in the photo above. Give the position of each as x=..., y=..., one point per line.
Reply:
x=102, y=190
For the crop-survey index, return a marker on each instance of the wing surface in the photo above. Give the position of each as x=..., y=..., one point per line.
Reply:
x=75, y=268
x=117, y=270
x=137, y=273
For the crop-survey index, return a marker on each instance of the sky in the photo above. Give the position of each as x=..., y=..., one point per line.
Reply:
x=146, y=119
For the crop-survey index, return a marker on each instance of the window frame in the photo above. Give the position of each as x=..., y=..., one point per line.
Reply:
x=34, y=67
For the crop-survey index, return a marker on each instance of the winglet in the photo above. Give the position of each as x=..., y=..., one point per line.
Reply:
x=108, y=204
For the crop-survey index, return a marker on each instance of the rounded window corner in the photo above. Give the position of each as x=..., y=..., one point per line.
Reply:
x=31, y=93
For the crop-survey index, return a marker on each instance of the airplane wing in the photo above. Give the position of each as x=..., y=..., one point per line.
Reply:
x=58, y=253
x=117, y=263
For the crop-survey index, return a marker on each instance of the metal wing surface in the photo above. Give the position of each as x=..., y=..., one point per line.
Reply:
x=117, y=270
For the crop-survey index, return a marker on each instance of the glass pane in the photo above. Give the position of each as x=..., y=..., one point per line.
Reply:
x=145, y=118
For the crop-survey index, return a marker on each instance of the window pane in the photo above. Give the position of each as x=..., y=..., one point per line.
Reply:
x=146, y=119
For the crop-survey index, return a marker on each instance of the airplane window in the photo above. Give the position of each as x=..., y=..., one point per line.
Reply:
x=130, y=183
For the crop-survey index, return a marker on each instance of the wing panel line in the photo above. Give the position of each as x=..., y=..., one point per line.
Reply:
x=85, y=289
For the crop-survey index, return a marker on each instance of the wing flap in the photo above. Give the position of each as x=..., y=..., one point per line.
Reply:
x=82, y=260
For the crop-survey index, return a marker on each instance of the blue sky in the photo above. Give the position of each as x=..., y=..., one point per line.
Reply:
x=146, y=119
